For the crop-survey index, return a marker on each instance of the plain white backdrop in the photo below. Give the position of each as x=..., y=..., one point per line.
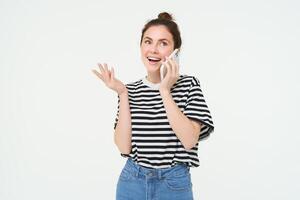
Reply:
x=56, y=117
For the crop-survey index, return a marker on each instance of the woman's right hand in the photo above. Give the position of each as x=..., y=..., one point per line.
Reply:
x=108, y=77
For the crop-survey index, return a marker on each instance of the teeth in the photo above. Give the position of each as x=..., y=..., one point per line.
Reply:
x=152, y=58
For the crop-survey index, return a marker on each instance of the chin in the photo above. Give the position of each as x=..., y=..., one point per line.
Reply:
x=150, y=67
x=153, y=68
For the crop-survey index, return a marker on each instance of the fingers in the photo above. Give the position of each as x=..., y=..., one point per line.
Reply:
x=106, y=75
x=172, y=67
x=112, y=73
x=168, y=66
x=176, y=69
x=105, y=66
x=104, y=71
x=101, y=68
x=98, y=74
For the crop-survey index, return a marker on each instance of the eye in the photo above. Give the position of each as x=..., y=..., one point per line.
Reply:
x=147, y=41
x=164, y=43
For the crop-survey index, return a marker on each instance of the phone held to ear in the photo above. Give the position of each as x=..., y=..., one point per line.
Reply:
x=163, y=69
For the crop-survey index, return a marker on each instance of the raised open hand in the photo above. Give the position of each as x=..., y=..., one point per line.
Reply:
x=108, y=77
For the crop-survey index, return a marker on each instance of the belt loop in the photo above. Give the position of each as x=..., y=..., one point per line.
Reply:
x=137, y=170
x=159, y=174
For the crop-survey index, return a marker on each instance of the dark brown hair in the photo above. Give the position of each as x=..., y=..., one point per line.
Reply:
x=166, y=20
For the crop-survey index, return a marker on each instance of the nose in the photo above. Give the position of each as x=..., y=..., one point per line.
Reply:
x=153, y=48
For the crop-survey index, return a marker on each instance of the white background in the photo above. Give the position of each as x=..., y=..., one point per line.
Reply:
x=56, y=117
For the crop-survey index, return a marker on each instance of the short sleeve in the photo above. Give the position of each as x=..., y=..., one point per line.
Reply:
x=197, y=109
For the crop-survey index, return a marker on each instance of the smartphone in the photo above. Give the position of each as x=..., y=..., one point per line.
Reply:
x=163, y=69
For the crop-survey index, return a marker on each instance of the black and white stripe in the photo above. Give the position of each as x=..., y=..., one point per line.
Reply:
x=154, y=144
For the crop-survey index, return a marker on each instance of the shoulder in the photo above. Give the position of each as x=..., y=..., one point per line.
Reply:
x=192, y=80
x=133, y=84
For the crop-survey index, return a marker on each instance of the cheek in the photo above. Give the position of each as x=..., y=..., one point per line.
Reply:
x=143, y=50
x=166, y=54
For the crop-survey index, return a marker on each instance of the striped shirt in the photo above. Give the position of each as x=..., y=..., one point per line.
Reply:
x=154, y=143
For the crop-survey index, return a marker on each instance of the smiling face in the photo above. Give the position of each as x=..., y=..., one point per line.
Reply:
x=157, y=43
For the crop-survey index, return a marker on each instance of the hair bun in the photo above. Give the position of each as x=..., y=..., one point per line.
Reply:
x=165, y=16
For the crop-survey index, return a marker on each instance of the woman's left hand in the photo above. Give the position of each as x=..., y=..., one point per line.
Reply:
x=172, y=75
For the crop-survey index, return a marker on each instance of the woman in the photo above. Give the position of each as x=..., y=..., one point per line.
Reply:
x=159, y=122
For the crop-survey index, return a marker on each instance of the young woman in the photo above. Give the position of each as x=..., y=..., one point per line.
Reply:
x=159, y=123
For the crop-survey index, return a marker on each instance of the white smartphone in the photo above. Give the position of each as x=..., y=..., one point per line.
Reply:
x=163, y=70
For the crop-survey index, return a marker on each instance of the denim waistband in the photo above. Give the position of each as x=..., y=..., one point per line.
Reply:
x=160, y=173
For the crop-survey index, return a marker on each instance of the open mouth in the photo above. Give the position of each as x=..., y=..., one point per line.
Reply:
x=153, y=60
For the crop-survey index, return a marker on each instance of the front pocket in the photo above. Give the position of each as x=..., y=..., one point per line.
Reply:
x=125, y=175
x=182, y=182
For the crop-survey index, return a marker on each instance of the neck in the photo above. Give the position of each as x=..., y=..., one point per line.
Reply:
x=153, y=77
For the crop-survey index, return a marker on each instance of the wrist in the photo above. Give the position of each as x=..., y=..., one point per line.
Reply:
x=123, y=93
x=164, y=92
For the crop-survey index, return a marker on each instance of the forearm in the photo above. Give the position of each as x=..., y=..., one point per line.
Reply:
x=122, y=135
x=181, y=125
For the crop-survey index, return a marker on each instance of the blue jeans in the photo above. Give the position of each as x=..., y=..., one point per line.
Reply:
x=141, y=183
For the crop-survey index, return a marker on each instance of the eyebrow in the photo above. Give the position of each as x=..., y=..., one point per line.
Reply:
x=158, y=40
